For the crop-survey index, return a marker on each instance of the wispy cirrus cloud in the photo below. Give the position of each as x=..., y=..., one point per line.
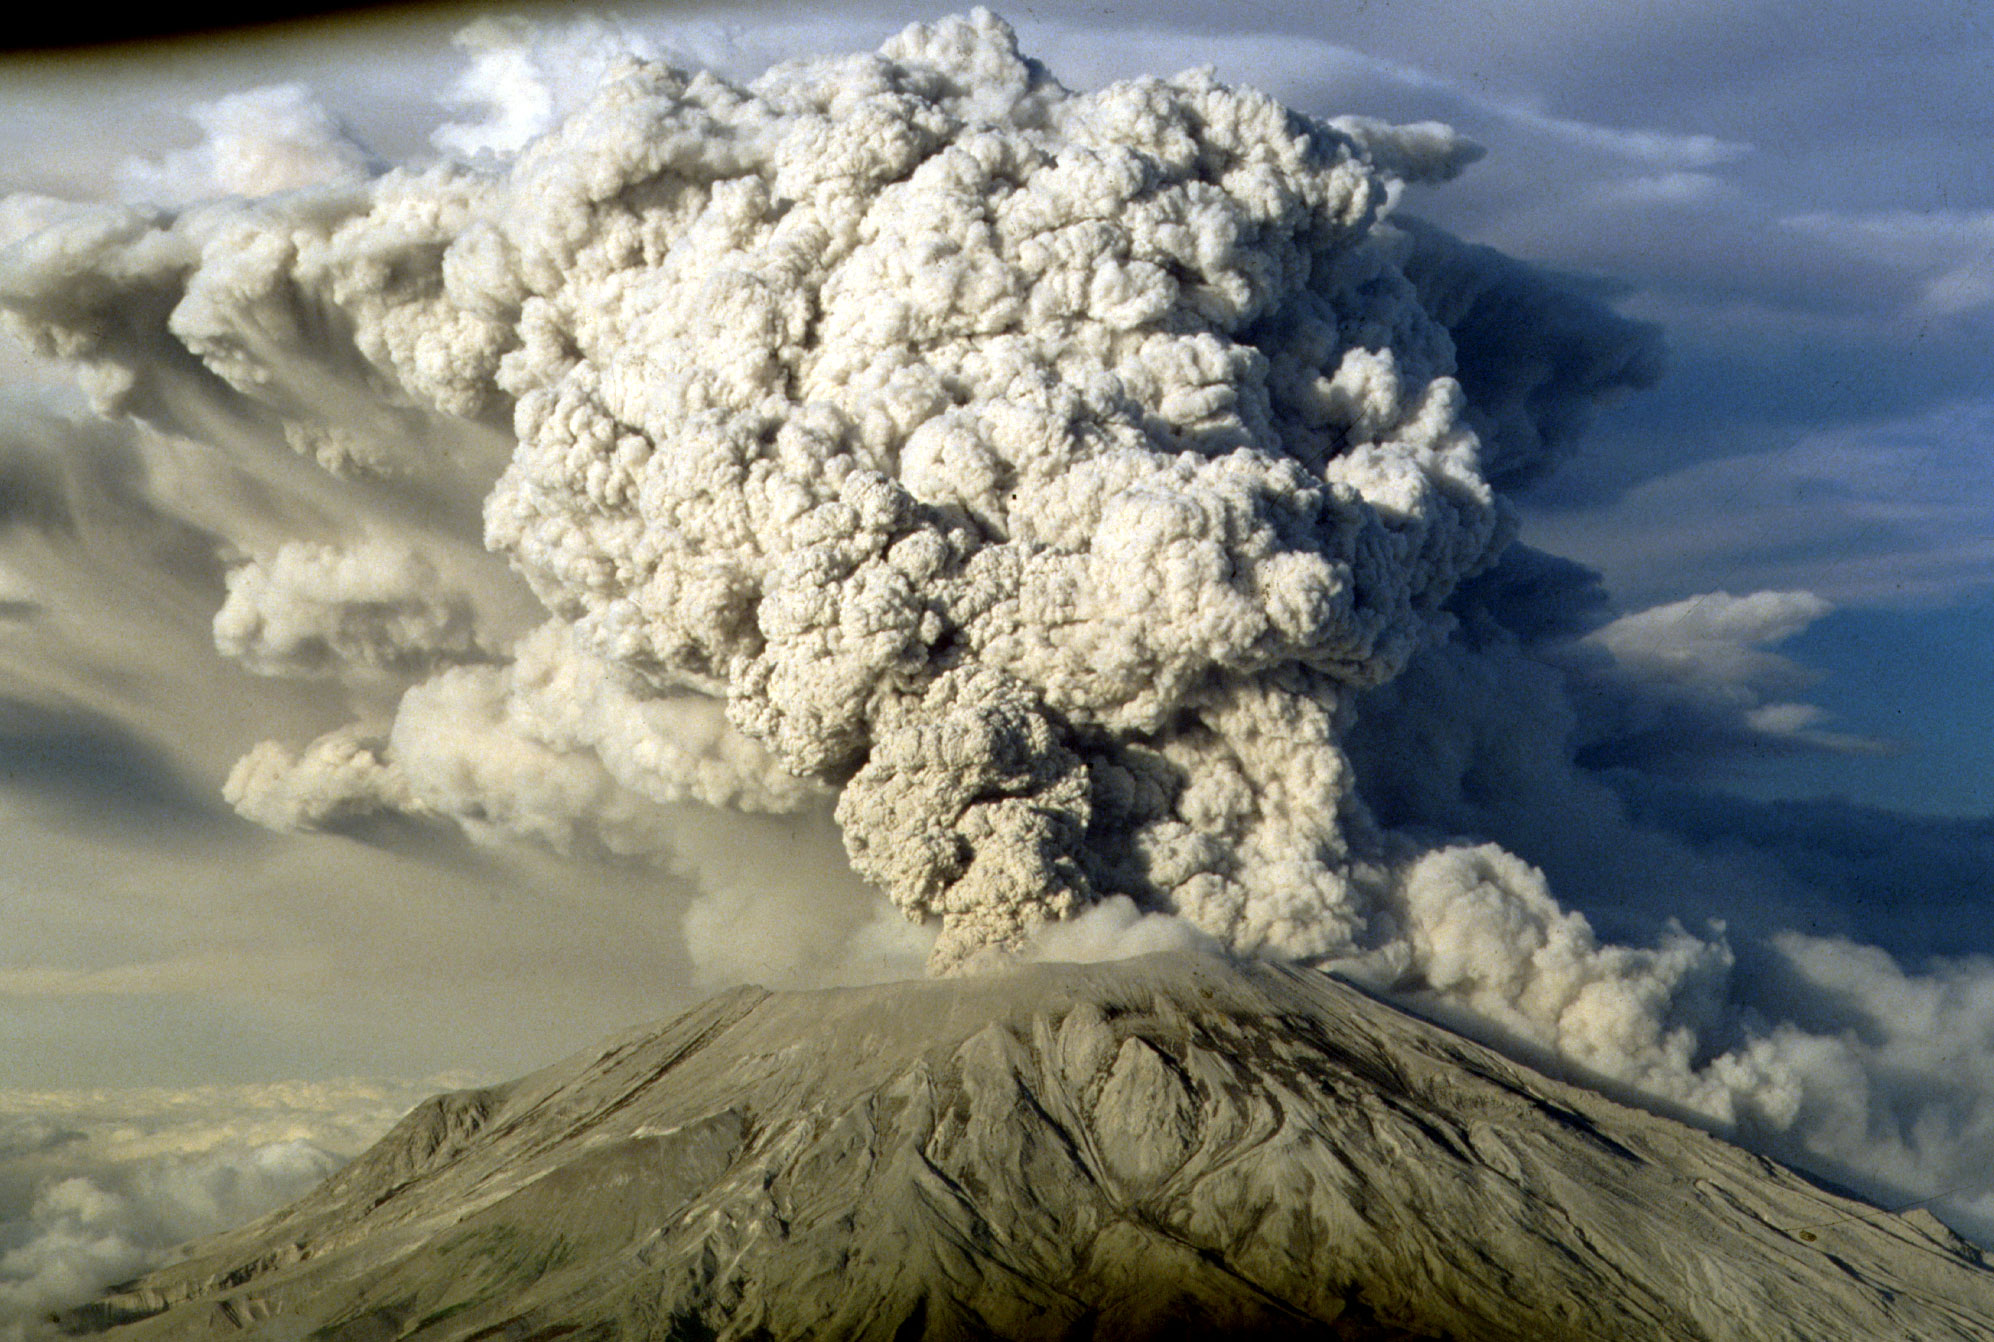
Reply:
x=1948, y=255
x=1888, y=513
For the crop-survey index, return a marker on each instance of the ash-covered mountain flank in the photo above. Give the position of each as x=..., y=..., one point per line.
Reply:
x=1170, y=1146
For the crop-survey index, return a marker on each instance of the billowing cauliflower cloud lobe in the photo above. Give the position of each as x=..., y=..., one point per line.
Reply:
x=1040, y=468
x=1040, y=474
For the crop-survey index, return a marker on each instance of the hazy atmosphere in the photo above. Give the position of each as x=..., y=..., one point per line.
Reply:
x=500, y=540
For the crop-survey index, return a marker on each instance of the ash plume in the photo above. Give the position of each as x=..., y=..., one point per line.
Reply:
x=1042, y=471
x=1081, y=495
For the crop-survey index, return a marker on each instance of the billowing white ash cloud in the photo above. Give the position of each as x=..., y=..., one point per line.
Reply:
x=1042, y=471
x=1090, y=497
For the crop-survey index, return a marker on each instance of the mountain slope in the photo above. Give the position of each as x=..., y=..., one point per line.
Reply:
x=1162, y=1147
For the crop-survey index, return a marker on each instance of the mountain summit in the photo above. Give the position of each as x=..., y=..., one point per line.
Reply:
x=1166, y=1147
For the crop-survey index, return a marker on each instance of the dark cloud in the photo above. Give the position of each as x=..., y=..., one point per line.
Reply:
x=82, y=481
x=1915, y=885
x=96, y=768
x=1885, y=512
x=54, y=30
x=32, y=493
x=1534, y=596
x=1536, y=355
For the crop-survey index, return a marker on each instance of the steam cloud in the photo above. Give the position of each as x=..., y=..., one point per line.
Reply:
x=1092, y=497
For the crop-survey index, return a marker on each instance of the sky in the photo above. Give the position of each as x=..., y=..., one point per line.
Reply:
x=1772, y=671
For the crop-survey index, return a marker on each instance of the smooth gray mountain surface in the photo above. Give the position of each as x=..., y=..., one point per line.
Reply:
x=1166, y=1147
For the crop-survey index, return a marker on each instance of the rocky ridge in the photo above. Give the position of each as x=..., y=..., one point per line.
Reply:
x=1171, y=1146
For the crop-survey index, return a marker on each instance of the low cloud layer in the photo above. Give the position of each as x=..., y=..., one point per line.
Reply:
x=1078, y=517
x=95, y=1187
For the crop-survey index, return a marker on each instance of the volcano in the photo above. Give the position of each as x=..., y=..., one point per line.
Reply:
x=1171, y=1146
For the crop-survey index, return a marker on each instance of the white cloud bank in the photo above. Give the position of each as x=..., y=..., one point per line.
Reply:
x=97, y=1186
